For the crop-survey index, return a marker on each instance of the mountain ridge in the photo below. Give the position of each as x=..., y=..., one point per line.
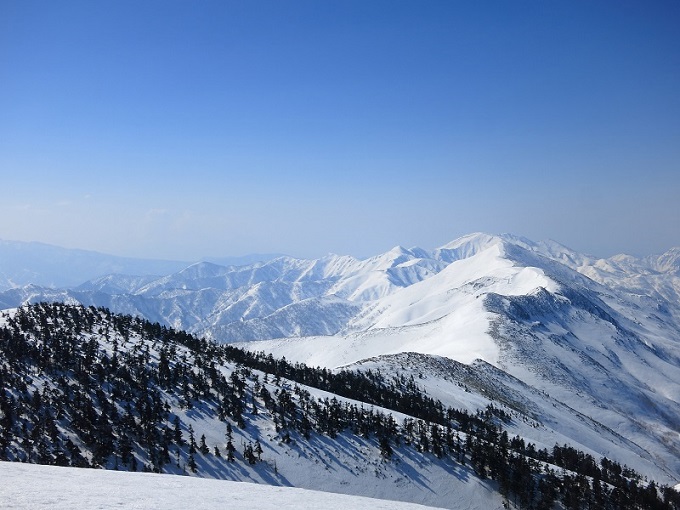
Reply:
x=355, y=280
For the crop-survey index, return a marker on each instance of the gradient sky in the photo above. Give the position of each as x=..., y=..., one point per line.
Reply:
x=181, y=129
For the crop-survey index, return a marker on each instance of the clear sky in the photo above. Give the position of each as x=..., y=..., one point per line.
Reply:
x=183, y=129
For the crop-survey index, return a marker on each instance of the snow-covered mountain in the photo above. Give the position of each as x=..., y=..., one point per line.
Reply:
x=292, y=297
x=281, y=297
x=585, y=350
x=83, y=387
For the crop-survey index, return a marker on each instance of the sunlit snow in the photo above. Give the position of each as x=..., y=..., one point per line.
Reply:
x=31, y=487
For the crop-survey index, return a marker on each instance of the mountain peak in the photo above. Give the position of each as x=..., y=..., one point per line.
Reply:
x=466, y=246
x=475, y=239
x=202, y=266
x=399, y=250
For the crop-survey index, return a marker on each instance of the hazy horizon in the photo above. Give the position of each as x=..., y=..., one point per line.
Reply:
x=247, y=258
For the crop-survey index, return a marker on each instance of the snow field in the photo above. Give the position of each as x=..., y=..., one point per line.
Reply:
x=35, y=487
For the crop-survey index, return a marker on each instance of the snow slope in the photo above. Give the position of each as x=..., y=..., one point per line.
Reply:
x=31, y=486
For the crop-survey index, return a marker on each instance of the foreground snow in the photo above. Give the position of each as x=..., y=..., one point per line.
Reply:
x=30, y=486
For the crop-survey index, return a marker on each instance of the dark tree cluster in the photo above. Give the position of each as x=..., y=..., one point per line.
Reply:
x=100, y=404
x=85, y=387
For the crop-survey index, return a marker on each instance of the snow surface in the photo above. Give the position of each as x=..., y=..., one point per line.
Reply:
x=31, y=487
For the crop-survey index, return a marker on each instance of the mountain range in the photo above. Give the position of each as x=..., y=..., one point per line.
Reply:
x=581, y=350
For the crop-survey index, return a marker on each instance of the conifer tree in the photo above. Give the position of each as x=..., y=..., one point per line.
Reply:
x=258, y=449
x=192, y=440
x=203, y=448
x=385, y=448
x=177, y=431
x=191, y=462
x=230, y=451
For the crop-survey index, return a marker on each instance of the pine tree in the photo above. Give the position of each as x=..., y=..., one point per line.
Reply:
x=385, y=448
x=248, y=453
x=177, y=431
x=203, y=448
x=192, y=463
x=230, y=451
x=192, y=440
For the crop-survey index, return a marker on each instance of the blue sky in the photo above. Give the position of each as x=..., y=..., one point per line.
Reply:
x=178, y=129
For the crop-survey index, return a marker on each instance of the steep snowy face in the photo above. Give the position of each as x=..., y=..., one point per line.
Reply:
x=445, y=314
x=454, y=291
x=465, y=247
x=379, y=276
x=618, y=365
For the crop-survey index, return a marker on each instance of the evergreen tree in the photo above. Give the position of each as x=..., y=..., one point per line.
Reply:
x=177, y=431
x=192, y=440
x=203, y=448
x=230, y=451
x=191, y=462
x=385, y=448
